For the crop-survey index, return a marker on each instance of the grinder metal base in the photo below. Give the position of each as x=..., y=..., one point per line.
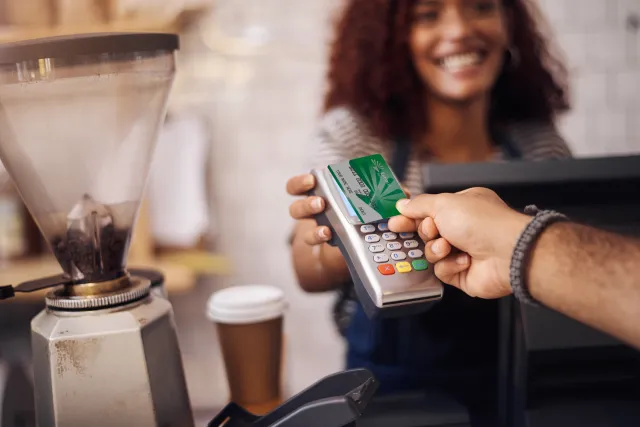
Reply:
x=111, y=367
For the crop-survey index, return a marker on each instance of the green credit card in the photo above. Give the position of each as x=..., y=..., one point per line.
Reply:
x=370, y=186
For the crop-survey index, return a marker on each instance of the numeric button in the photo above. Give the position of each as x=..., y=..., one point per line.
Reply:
x=394, y=246
x=398, y=256
x=383, y=226
x=376, y=248
x=371, y=238
x=405, y=236
x=411, y=244
x=368, y=228
x=389, y=236
x=415, y=253
x=381, y=257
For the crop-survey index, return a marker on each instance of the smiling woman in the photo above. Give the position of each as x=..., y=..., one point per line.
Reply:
x=458, y=71
x=427, y=81
x=387, y=52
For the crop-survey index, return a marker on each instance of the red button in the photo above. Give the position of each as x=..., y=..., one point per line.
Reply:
x=386, y=269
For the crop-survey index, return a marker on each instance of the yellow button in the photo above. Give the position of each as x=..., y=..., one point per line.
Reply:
x=403, y=267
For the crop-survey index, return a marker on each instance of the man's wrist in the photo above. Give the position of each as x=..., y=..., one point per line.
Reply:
x=542, y=254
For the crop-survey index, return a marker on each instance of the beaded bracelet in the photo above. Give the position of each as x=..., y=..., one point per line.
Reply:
x=522, y=251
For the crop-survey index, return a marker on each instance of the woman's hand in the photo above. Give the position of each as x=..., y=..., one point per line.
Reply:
x=308, y=207
x=319, y=267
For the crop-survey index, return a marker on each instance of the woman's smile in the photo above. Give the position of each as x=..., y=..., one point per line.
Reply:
x=463, y=62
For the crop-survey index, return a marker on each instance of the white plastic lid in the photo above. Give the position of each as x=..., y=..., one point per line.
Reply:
x=246, y=304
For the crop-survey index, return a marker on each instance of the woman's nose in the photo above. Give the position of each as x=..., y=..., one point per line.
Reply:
x=456, y=25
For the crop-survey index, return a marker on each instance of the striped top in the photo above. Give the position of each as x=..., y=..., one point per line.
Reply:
x=343, y=135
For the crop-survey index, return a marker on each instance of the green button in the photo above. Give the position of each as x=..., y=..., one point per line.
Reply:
x=420, y=264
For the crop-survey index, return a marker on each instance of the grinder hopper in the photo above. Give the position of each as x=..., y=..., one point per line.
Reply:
x=79, y=117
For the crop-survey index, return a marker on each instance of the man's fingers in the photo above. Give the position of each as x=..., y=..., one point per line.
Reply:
x=402, y=224
x=301, y=184
x=428, y=229
x=420, y=207
x=317, y=236
x=437, y=250
x=307, y=207
x=451, y=269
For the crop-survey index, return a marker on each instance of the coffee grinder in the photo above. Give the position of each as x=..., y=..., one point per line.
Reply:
x=79, y=119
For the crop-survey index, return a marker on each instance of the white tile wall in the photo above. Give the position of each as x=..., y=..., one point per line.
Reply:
x=588, y=88
x=263, y=112
x=604, y=60
x=575, y=49
x=624, y=88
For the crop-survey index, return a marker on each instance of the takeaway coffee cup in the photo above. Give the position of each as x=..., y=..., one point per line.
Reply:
x=249, y=323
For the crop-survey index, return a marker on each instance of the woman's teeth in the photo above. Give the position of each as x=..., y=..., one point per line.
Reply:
x=460, y=61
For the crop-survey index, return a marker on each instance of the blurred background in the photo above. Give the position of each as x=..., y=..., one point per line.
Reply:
x=244, y=108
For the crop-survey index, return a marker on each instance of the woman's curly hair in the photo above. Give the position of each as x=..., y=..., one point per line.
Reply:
x=371, y=69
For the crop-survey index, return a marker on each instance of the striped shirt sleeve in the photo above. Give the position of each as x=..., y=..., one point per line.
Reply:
x=341, y=136
x=539, y=141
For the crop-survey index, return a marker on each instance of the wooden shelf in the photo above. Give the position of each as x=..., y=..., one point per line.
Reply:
x=181, y=270
x=10, y=34
x=174, y=24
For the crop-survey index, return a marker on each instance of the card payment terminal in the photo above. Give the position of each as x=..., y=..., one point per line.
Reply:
x=389, y=271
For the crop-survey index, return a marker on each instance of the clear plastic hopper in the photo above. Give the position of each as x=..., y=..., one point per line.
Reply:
x=79, y=118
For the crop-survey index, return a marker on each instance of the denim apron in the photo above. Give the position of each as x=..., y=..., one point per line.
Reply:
x=441, y=348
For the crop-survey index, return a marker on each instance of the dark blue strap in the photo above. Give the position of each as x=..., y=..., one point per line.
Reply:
x=400, y=159
x=509, y=149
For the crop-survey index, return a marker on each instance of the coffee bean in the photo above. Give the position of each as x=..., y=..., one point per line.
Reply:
x=83, y=258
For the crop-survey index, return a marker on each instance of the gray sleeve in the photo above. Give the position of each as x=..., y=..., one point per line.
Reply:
x=539, y=141
x=325, y=149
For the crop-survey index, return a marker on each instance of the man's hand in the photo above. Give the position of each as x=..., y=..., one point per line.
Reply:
x=586, y=274
x=469, y=237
